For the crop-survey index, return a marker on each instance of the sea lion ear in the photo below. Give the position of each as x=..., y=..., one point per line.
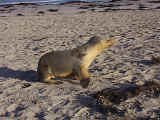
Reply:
x=94, y=39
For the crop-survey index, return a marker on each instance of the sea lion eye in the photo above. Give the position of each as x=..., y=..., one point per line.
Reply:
x=94, y=39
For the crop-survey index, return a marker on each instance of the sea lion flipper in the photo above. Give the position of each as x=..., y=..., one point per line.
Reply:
x=51, y=81
x=82, y=74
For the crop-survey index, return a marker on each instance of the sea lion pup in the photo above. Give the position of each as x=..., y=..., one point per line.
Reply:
x=74, y=62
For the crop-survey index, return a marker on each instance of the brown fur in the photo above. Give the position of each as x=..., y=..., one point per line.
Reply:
x=73, y=62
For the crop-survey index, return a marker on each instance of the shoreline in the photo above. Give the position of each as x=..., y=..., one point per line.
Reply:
x=47, y=3
x=23, y=9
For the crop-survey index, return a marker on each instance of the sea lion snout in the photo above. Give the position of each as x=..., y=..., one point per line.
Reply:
x=108, y=42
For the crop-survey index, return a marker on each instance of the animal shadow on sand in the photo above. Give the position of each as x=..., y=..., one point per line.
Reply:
x=90, y=102
x=106, y=101
x=28, y=75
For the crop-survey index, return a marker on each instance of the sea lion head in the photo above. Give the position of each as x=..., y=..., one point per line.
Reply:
x=104, y=42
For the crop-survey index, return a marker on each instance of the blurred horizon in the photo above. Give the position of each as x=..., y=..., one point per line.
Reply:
x=4, y=2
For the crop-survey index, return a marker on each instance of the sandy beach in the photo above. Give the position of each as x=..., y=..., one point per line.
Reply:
x=29, y=31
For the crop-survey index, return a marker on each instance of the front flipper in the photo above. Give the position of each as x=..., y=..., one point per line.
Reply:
x=85, y=82
x=81, y=73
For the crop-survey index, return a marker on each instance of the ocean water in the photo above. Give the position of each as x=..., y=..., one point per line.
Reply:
x=2, y=2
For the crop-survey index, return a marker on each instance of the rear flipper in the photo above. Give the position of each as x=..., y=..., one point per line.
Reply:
x=49, y=79
x=45, y=74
